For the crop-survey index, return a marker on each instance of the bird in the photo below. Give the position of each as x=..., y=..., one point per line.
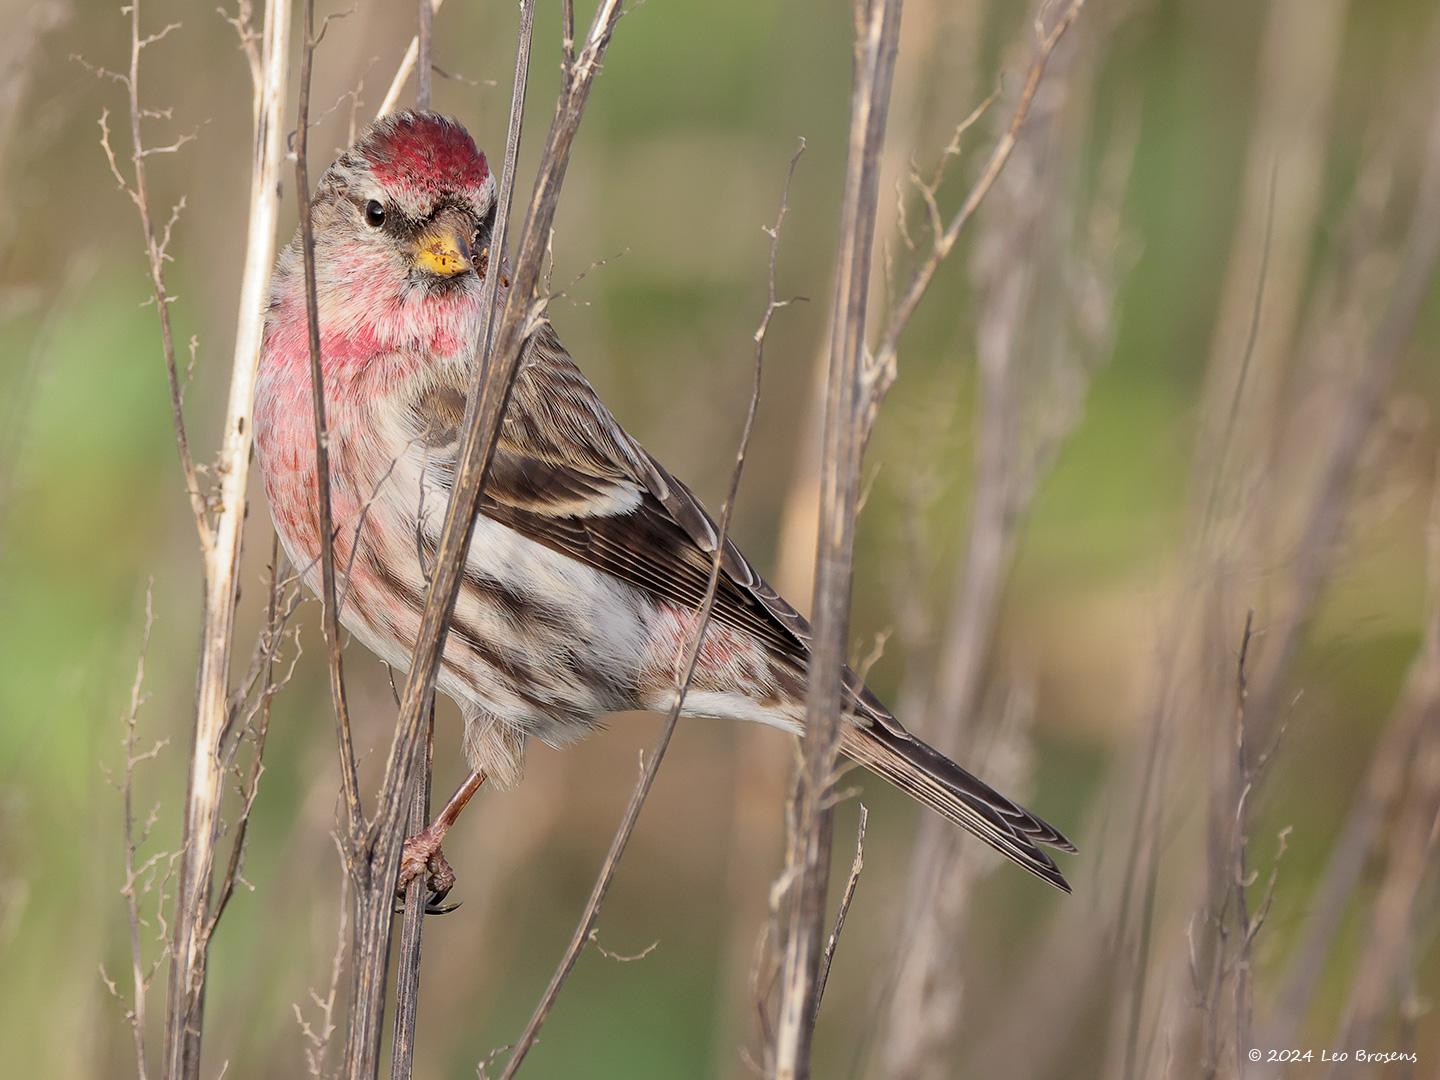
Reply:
x=589, y=560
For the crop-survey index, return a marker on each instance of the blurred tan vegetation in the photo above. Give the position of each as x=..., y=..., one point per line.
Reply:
x=1184, y=151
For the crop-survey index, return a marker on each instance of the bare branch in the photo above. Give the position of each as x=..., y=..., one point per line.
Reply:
x=424, y=23
x=140, y=972
x=1398, y=909
x=491, y=387
x=256, y=722
x=1244, y=786
x=685, y=671
x=407, y=971
x=620, y=958
x=882, y=368
x=136, y=186
x=407, y=975
x=844, y=909
x=499, y=238
x=244, y=23
x=877, y=32
x=317, y=1042
x=349, y=777
x=567, y=31
x=402, y=73
x=455, y=76
x=188, y=960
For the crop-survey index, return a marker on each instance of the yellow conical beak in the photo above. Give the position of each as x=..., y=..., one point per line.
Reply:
x=443, y=250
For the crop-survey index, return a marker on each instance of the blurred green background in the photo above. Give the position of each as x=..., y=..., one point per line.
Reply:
x=679, y=163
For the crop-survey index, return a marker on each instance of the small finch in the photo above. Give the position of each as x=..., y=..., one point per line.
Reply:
x=589, y=560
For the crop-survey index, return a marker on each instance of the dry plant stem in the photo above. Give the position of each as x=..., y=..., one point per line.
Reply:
x=156, y=257
x=1033, y=372
x=1233, y=488
x=1025, y=363
x=317, y=1042
x=424, y=23
x=407, y=970
x=1349, y=854
x=407, y=976
x=277, y=614
x=882, y=369
x=846, y=898
x=402, y=73
x=1324, y=516
x=1390, y=946
x=349, y=778
x=1299, y=54
x=567, y=30
x=222, y=559
x=685, y=671
x=1242, y=790
x=976, y=591
x=139, y=971
x=1343, y=869
x=1332, y=492
x=505, y=196
x=877, y=32
x=387, y=831
x=1351, y=851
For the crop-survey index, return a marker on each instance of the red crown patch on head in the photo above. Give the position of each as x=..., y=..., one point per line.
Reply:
x=424, y=152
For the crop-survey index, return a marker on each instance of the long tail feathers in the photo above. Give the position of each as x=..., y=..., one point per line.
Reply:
x=931, y=778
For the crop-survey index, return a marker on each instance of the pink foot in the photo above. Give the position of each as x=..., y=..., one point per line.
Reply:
x=422, y=855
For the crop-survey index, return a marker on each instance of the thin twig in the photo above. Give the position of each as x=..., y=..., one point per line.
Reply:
x=424, y=24
x=1397, y=912
x=567, y=31
x=1351, y=851
x=407, y=971
x=407, y=977
x=189, y=951
x=349, y=776
x=156, y=253
x=1033, y=363
x=277, y=613
x=1241, y=794
x=877, y=32
x=844, y=909
x=499, y=255
x=1326, y=512
x=317, y=1043
x=585, y=928
x=139, y=973
x=402, y=73
x=491, y=384
x=882, y=368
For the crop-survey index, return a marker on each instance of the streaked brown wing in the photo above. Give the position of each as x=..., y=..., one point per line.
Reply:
x=623, y=529
x=683, y=508
x=677, y=526
x=566, y=475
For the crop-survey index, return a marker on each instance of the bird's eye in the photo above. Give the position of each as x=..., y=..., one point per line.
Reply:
x=374, y=214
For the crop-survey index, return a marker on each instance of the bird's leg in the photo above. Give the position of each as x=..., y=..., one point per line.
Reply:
x=422, y=854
